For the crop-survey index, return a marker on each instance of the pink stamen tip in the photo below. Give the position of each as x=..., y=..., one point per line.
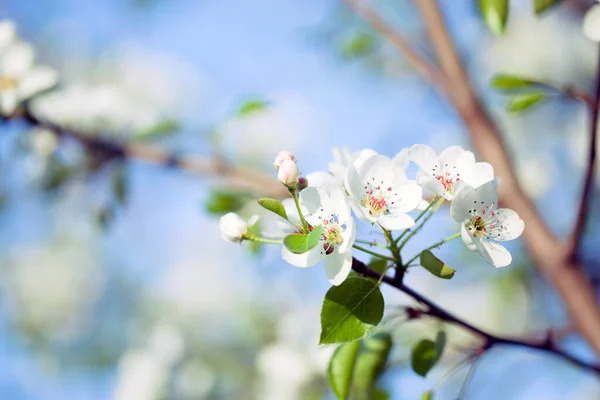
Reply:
x=389, y=189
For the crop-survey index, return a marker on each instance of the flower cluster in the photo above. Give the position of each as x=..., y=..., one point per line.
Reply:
x=20, y=78
x=591, y=23
x=316, y=223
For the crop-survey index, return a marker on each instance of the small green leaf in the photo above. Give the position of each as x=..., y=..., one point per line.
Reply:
x=222, y=202
x=370, y=363
x=163, y=128
x=378, y=265
x=299, y=243
x=379, y=394
x=274, y=206
x=436, y=266
x=525, y=101
x=542, y=5
x=428, y=395
x=341, y=367
x=510, y=82
x=119, y=184
x=426, y=353
x=358, y=44
x=251, y=106
x=350, y=310
x=495, y=14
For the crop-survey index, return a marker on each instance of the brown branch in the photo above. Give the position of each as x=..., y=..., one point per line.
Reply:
x=240, y=177
x=549, y=254
x=586, y=195
x=491, y=340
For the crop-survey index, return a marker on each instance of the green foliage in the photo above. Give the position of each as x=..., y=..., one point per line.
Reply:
x=56, y=175
x=350, y=310
x=436, y=266
x=495, y=14
x=341, y=367
x=358, y=44
x=223, y=201
x=120, y=185
x=163, y=128
x=426, y=353
x=511, y=82
x=273, y=206
x=355, y=367
x=542, y=5
x=299, y=243
x=525, y=101
x=428, y=395
x=251, y=106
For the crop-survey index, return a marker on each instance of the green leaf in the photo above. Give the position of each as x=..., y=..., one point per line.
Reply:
x=251, y=106
x=341, y=367
x=511, y=82
x=495, y=14
x=358, y=44
x=426, y=353
x=542, y=5
x=119, y=184
x=428, y=395
x=350, y=310
x=222, y=202
x=525, y=101
x=436, y=266
x=274, y=206
x=379, y=394
x=370, y=363
x=299, y=243
x=163, y=128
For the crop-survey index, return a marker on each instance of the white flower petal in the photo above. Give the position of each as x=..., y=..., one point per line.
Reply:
x=376, y=168
x=482, y=173
x=8, y=101
x=313, y=198
x=303, y=260
x=422, y=206
x=591, y=24
x=337, y=267
x=429, y=183
x=467, y=239
x=339, y=203
x=348, y=235
x=453, y=154
x=363, y=156
x=494, y=253
x=353, y=184
x=7, y=33
x=394, y=222
x=17, y=59
x=409, y=197
x=462, y=203
x=40, y=77
x=508, y=226
x=323, y=180
x=425, y=158
x=402, y=159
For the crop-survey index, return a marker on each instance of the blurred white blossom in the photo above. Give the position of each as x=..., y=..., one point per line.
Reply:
x=591, y=23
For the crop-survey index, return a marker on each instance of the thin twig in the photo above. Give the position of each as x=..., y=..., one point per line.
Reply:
x=491, y=340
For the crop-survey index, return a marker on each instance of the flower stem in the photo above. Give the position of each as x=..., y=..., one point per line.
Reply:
x=294, y=194
x=433, y=246
x=371, y=243
x=433, y=208
x=373, y=253
x=407, y=231
x=263, y=240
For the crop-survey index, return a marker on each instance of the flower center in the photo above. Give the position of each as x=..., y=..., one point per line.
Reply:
x=7, y=82
x=447, y=181
x=483, y=220
x=332, y=233
x=375, y=199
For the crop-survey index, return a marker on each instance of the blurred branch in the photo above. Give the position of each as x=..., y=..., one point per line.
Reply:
x=491, y=340
x=586, y=195
x=239, y=177
x=549, y=254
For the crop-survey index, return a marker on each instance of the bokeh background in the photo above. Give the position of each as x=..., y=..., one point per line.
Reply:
x=141, y=299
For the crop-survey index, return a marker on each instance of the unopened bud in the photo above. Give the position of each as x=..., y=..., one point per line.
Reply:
x=233, y=227
x=282, y=156
x=288, y=173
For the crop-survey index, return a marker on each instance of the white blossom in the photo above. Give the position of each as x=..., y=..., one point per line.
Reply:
x=332, y=213
x=343, y=158
x=482, y=223
x=234, y=228
x=591, y=23
x=282, y=156
x=445, y=174
x=379, y=192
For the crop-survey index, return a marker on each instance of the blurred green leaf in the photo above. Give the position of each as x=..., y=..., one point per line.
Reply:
x=428, y=395
x=370, y=363
x=426, y=353
x=379, y=394
x=510, y=82
x=255, y=247
x=222, y=202
x=163, y=128
x=542, y=5
x=273, y=206
x=299, y=243
x=56, y=174
x=358, y=44
x=378, y=265
x=341, y=367
x=436, y=266
x=120, y=184
x=525, y=101
x=495, y=14
x=251, y=106
x=350, y=310
x=105, y=217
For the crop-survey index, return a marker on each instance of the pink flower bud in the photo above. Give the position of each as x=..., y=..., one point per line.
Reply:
x=282, y=156
x=288, y=173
